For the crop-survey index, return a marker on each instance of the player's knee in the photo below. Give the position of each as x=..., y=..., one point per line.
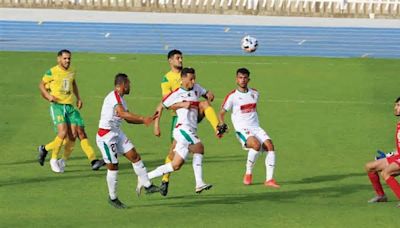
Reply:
x=253, y=144
x=269, y=147
x=368, y=167
x=204, y=104
x=176, y=166
x=385, y=174
x=81, y=133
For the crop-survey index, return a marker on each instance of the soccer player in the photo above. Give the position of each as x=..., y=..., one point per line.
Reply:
x=388, y=166
x=243, y=103
x=112, y=141
x=58, y=86
x=170, y=82
x=185, y=100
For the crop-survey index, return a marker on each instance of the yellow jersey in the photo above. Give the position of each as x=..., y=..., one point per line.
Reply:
x=170, y=82
x=59, y=82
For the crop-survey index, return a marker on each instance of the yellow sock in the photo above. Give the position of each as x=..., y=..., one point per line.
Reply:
x=57, y=143
x=50, y=145
x=165, y=177
x=68, y=148
x=211, y=116
x=88, y=149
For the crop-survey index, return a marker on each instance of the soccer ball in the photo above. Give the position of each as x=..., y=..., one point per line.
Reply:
x=249, y=44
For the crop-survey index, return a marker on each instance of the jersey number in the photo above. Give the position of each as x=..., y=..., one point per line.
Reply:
x=66, y=85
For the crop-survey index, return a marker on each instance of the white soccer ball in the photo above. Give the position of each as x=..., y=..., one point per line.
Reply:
x=249, y=44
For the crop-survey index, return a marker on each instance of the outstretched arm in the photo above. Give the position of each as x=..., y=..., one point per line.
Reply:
x=134, y=118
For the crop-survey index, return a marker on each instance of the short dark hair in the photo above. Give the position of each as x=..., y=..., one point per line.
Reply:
x=243, y=71
x=61, y=52
x=187, y=70
x=397, y=100
x=120, y=78
x=173, y=52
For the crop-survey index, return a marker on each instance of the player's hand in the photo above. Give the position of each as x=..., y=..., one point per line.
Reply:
x=79, y=104
x=52, y=98
x=210, y=96
x=156, y=131
x=147, y=120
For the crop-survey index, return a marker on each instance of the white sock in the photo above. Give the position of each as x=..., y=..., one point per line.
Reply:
x=252, y=156
x=161, y=170
x=141, y=172
x=112, y=183
x=270, y=164
x=197, y=164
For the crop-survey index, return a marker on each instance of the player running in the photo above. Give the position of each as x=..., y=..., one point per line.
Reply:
x=170, y=82
x=389, y=166
x=112, y=141
x=58, y=86
x=243, y=103
x=185, y=100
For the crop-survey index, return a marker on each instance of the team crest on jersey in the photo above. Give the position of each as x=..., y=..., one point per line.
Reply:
x=195, y=92
x=252, y=96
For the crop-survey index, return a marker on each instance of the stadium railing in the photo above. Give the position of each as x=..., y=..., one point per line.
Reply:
x=324, y=8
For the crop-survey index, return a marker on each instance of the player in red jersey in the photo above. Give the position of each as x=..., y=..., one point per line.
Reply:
x=389, y=167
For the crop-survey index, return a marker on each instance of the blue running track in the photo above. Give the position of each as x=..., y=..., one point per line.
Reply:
x=199, y=39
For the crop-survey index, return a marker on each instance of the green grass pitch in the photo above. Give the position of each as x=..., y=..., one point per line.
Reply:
x=326, y=116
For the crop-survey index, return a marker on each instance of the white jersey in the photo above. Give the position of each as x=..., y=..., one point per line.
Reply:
x=108, y=118
x=186, y=117
x=244, y=108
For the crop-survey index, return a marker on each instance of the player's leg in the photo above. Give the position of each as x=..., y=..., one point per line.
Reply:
x=268, y=146
x=58, y=141
x=79, y=131
x=389, y=173
x=108, y=147
x=372, y=168
x=165, y=179
x=252, y=145
x=197, y=162
x=181, y=151
x=125, y=145
x=206, y=110
x=58, y=117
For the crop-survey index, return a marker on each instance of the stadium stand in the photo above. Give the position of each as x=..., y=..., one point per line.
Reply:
x=319, y=8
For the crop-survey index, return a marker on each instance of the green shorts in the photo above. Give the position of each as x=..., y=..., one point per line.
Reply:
x=65, y=113
x=173, y=124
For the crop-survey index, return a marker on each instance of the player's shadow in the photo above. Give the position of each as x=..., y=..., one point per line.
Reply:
x=44, y=179
x=323, y=178
x=35, y=161
x=268, y=196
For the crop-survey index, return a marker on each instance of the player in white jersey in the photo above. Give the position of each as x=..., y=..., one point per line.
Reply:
x=243, y=103
x=112, y=141
x=185, y=100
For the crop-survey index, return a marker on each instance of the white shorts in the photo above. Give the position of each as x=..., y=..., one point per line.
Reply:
x=184, y=137
x=112, y=144
x=243, y=134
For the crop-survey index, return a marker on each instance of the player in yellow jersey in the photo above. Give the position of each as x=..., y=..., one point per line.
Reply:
x=58, y=86
x=170, y=82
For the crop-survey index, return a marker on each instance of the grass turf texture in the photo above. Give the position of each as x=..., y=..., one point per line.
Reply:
x=326, y=117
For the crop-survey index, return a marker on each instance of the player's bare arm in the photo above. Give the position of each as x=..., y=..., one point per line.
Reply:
x=134, y=118
x=221, y=116
x=45, y=93
x=79, y=102
x=209, y=96
x=158, y=112
x=184, y=104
